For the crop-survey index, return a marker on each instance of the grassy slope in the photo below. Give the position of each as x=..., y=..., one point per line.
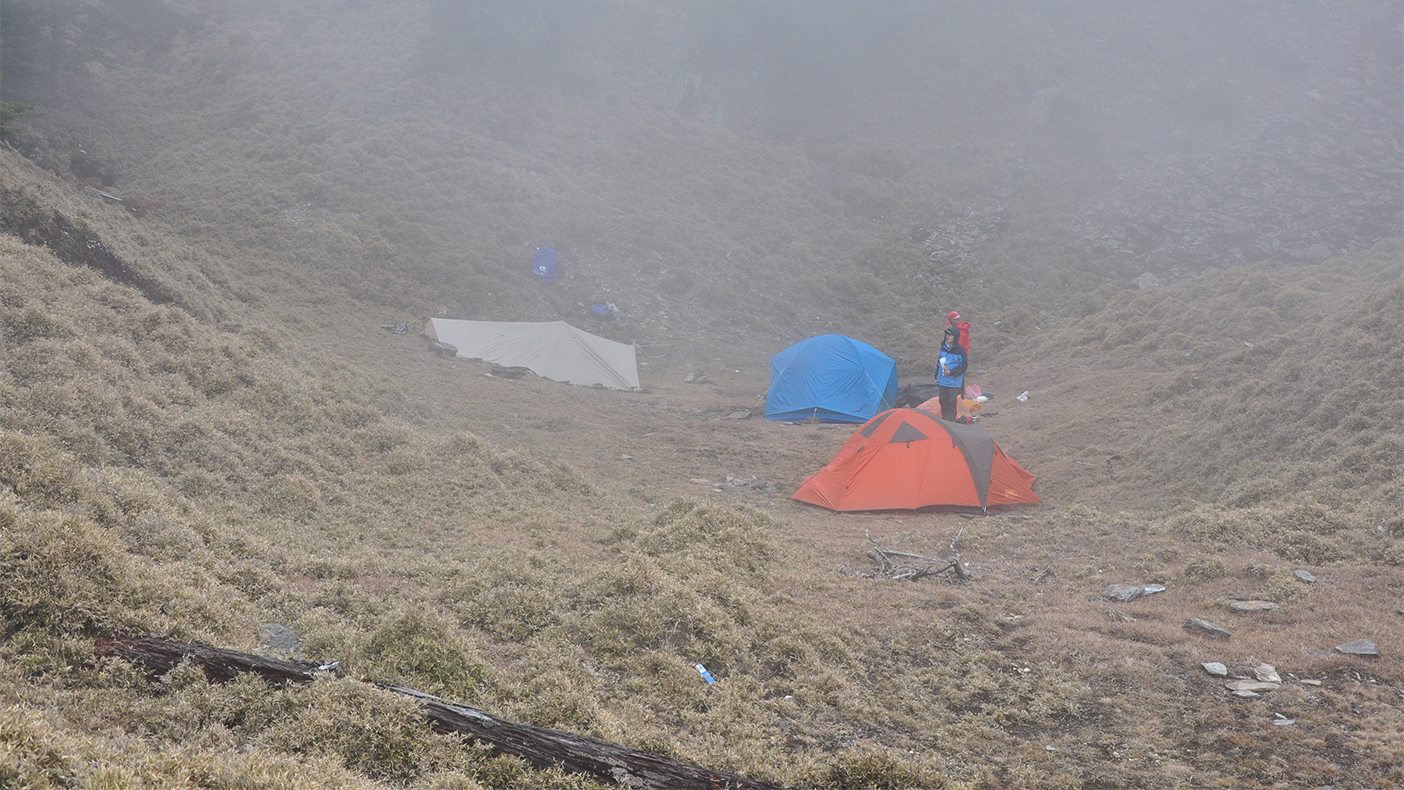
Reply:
x=197, y=477
x=171, y=506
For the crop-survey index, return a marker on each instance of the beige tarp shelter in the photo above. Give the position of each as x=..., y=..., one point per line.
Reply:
x=552, y=350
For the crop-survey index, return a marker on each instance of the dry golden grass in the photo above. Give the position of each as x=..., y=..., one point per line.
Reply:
x=165, y=477
x=260, y=451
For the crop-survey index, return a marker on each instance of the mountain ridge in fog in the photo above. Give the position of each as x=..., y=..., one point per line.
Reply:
x=1148, y=138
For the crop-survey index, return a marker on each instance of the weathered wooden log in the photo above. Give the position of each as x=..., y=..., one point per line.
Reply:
x=541, y=746
x=546, y=748
x=161, y=656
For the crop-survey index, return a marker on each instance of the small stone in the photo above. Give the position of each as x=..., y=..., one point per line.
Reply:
x=1309, y=682
x=443, y=349
x=1246, y=694
x=279, y=637
x=1130, y=592
x=1122, y=592
x=1204, y=628
x=1249, y=607
x=1251, y=685
x=1147, y=281
x=1283, y=721
x=1267, y=673
x=739, y=415
x=1305, y=576
x=1215, y=668
x=508, y=371
x=1358, y=647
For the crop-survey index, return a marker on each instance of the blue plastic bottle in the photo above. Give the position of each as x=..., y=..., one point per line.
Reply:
x=707, y=676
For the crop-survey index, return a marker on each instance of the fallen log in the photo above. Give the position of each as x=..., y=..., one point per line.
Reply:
x=546, y=748
x=161, y=656
x=541, y=746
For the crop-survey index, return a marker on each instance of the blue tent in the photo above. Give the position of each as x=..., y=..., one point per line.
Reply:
x=832, y=378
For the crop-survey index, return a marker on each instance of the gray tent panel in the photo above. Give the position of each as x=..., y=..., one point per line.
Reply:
x=906, y=434
x=552, y=350
x=978, y=447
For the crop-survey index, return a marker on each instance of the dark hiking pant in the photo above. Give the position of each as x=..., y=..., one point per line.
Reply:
x=948, y=397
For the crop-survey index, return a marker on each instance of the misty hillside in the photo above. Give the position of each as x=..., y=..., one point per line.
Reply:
x=1175, y=228
x=684, y=157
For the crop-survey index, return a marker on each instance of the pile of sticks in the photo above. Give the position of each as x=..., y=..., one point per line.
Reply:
x=906, y=566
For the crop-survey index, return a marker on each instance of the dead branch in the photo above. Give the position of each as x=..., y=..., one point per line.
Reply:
x=905, y=565
x=107, y=195
x=541, y=746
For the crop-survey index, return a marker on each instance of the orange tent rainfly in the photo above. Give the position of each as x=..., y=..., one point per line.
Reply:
x=907, y=459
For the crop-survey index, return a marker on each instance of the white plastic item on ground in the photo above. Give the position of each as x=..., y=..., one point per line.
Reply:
x=1023, y=396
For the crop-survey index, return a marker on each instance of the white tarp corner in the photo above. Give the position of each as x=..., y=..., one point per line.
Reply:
x=552, y=350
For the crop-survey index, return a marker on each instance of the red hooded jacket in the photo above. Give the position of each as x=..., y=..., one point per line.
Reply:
x=962, y=328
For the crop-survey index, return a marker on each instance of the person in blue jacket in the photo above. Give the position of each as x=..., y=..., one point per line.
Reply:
x=950, y=373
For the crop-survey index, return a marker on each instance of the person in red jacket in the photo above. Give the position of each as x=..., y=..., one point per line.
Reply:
x=962, y=329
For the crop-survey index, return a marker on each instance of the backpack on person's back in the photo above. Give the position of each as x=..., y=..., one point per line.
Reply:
x=962, y=328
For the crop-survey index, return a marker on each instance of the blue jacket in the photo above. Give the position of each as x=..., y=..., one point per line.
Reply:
x=954, y=358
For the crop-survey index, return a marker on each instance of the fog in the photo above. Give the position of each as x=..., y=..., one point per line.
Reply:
x=1226, y=131
x=1164, y=138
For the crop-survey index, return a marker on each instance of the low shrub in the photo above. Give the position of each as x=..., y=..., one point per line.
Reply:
x=417, y=650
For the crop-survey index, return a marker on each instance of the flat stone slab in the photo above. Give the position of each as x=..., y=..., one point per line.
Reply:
x=1251, y=685
x=1305, y=576
x=1308, y=682
x=1248, y=607
x=1246, y=694
x=1215, y=668
x=282, y=638
x=1206, y=629
x=1358, y=647
x=1130, y=592
x=1266, y=673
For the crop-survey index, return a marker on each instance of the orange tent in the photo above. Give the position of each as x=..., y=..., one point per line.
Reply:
x=964, y=406
x=906, y=459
